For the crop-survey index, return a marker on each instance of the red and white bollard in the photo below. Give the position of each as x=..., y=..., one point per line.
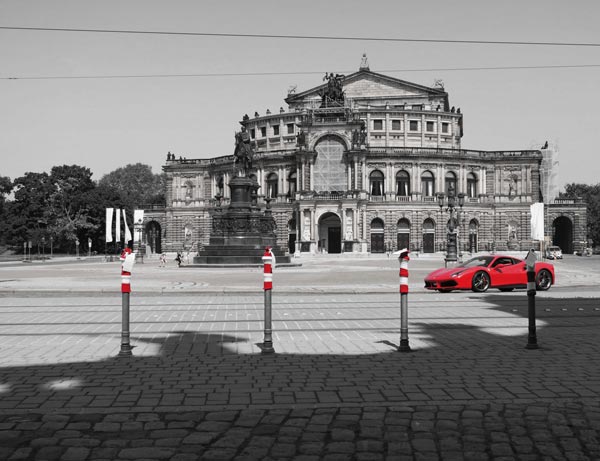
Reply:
x=128, y=260
x=403, y=258
x=269, y=261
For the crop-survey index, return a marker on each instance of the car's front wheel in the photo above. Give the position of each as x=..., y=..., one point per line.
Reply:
x=480, y=282
x=543, y=280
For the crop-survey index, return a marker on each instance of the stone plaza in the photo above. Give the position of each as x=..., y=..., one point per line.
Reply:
x=198, y=388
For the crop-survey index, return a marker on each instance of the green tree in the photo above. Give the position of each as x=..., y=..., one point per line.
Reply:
x=6, y=187
x=591, y=194
x=137, y=186
x=29, y=210
x=68, y=219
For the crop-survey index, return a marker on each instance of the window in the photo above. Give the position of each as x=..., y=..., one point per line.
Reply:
x=272, y=181
x=413, y=125
x=376, y=179
x=396, y=125
x=402, y=183
x=430, y=126
x=263, y=131
x=275, y=130
x=471, y=185
x=427, y=184
x=450, y=186
x=292, y=184
x=378, y=125
x=290, y=128
x=220, y=186
x=253, y=133
x=445, y=127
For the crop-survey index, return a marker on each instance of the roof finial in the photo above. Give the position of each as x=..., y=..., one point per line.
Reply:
x=364, y=64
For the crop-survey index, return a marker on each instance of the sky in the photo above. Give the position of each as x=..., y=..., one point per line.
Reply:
x=104, y=100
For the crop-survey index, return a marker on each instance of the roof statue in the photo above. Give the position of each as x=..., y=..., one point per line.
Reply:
x=364, y=63
x=333, y=94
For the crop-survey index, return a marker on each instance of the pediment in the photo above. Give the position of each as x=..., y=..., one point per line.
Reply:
x=371, y=85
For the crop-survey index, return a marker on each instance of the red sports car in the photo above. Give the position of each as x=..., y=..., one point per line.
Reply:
x=489, y=271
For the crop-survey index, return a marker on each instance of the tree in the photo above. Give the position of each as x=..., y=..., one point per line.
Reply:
x=591, y=195
x=69, y=215
x=6, y=187
x=137, y=186
x=29, y=209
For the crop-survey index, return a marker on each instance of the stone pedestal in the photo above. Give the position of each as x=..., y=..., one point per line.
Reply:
x=241, y=232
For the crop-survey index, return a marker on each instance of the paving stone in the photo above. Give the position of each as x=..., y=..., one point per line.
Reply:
x=146, y=452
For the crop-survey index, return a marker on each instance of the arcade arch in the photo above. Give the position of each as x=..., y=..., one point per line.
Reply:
x=330, y=233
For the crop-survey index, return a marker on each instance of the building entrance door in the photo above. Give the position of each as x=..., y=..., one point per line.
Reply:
x=330, y=233
x=428, y=236
x=377, y=244
x=334, y=240
x=403, y=241
x=428, y=243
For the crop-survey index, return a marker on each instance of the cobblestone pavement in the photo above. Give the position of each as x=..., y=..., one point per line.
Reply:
x=538, y=430
x=198, y=388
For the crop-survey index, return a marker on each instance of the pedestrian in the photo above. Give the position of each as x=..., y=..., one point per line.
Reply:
x=163, y=260
x=178, y=259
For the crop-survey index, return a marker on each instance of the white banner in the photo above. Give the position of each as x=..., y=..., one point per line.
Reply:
x=128, y=237
x=109, y=216
x=118, y=226
x=138, y=223
x=537, y=221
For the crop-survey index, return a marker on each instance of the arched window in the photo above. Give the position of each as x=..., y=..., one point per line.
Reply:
x=292, y=184
x=427, y=184
x=376, y=179
x=402, y=183
x=272, y=181
x=471, y=185
x=220, y=187
x=450, y=186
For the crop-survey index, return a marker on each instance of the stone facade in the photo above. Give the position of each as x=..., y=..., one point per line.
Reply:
x=363, y=173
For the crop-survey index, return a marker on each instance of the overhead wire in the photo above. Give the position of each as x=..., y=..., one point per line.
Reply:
x=254, y=74
x=301, y=37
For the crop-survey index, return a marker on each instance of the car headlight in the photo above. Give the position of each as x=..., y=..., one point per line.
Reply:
x=457, y=274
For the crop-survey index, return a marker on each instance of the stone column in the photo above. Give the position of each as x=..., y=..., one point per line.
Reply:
x=349, y=175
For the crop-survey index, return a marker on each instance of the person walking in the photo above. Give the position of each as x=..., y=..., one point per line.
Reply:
x=178, y=259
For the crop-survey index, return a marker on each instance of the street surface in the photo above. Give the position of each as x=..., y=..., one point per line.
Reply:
x=197, y=386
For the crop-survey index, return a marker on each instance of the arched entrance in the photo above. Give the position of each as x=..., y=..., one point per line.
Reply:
x=330, y=233
x=562, y=234
x=292, y=236
x=403, y=239
x=473, y=231
x=377, y=236
x=153, y=237
x=428, y=236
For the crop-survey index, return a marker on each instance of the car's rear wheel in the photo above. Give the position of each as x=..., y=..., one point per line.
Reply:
x=480, y=282
x=543, y=280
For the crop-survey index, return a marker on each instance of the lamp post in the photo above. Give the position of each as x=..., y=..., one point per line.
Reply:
x=450, y=203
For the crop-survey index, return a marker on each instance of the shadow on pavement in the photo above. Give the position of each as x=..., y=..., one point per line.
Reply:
x=200, y=398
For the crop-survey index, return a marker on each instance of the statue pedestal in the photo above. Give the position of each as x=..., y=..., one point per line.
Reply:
x=241, y=232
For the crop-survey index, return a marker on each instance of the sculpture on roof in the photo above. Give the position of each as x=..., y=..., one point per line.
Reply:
x=333, y=94
x=243, y=152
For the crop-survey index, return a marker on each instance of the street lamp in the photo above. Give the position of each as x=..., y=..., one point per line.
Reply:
x=450, y=203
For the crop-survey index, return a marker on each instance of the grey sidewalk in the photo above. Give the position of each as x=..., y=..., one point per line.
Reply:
x=197, y=386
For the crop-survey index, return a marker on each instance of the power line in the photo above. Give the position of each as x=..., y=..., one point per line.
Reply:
x=302, y=37
x=255, y=74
